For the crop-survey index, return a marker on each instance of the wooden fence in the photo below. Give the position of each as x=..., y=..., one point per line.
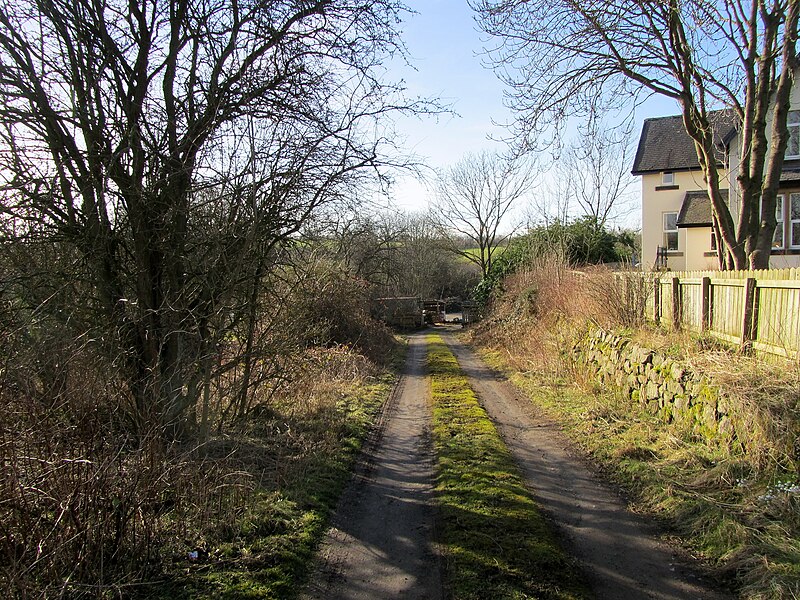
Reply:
x=753, y=309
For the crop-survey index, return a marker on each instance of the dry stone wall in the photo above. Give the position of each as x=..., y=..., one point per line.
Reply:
x=663, y=386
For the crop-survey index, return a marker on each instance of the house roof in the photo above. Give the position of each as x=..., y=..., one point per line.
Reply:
x=790, y=177
x=665, y=146
x=696, y=209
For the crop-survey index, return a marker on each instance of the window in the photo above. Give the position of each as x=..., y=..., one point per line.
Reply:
x=668, y=177
x=793, y=123
x=713, y=239
x=780, y=218
x=671, y=229
x=794, y=220
x=777, y=238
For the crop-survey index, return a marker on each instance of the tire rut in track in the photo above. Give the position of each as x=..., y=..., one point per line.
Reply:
x=619, y=551
x=380, y=545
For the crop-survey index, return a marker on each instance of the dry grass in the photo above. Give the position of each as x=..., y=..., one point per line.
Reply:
x=767, y=396
x=537, y=316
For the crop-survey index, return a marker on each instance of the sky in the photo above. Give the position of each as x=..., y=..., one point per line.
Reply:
x=445, y=46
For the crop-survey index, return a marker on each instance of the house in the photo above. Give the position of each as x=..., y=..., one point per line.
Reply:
x=677, y=232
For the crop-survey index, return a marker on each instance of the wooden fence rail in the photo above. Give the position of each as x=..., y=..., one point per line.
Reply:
x=757, y=310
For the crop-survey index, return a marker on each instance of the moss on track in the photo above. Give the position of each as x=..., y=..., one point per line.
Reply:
x=495, y=541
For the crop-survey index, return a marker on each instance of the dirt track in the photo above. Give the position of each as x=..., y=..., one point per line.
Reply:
x=380, y=545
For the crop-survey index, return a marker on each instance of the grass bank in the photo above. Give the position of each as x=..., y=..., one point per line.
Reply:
x=297, y=457
x=495, y=541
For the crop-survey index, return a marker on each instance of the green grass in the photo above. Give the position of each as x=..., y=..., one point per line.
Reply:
x=266, y=551
x=476, y=252
x=726, y=510
x=495, y=541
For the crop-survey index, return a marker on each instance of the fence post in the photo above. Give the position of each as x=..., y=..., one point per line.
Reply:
x=706, y=310
x=750, y=320
x=676, y=303
x=657, y=300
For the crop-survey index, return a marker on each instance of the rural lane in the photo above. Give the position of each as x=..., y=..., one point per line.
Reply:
x=381, y=543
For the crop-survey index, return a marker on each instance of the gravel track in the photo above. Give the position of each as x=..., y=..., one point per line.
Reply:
x=381, y=543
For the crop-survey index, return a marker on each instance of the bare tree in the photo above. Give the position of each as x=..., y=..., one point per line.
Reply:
x=566, y=57
x=397, y=254
x=597, y=165
x=473, y=199
x=590, y=182
x=177, y=147
x=423, y=268
x=372, y=243
x=590, y=178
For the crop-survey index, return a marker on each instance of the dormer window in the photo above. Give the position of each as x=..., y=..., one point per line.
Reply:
x=668, y=177
x=793, y=123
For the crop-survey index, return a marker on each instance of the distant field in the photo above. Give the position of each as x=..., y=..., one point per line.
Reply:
x=476, y=252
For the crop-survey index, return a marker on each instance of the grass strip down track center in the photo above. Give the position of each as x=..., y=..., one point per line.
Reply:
x=495, y=541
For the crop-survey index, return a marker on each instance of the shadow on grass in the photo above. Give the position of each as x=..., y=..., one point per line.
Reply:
x=292, y=469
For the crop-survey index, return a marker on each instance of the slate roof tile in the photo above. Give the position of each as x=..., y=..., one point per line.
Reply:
x=790, y=177
x=665, y=146
x=696, y=209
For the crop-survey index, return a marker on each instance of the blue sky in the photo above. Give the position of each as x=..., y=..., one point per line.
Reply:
x=444, y=44
x=445, y=48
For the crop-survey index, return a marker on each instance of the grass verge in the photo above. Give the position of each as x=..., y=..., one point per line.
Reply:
x=298, y=458
x=495, y=540
x=739, y=518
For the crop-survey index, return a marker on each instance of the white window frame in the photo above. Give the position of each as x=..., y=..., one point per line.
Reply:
x=780, y=218
x=793, y=124
x=791, y=221
x=667, y=178
x=667, y=232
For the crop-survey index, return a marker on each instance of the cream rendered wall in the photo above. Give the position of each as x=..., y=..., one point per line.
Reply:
x=654, y=204
x=780, y=261
x=734, y=164
x=698, y=241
